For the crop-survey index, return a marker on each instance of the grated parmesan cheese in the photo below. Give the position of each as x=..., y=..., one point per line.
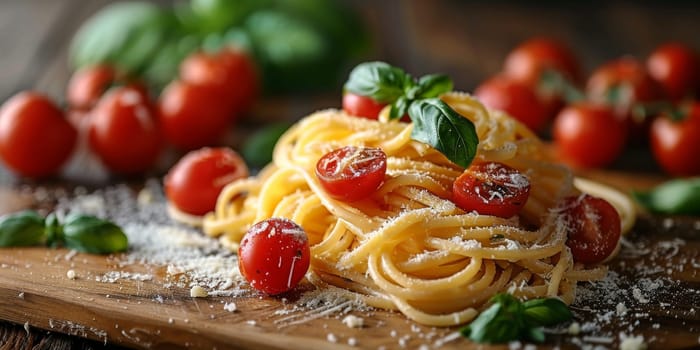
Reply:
x=198, y=292
x=353, y=321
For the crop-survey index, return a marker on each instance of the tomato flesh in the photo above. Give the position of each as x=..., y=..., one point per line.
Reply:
x=351, y=173
x=491, y=189
x=676, y=143
x=588, y=135
x=193, y=184
x=124, y=132
x=593, y=227
x=274, y=255
x=35, y=137
x=515, y=98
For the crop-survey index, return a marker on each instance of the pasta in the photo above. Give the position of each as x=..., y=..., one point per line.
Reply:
x=407, y=246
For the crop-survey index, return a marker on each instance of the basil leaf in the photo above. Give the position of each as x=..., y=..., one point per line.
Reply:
x=89, y=234
x=439, y=126
x=379, y=81
x=546, y=312
x=258, y=148
x=434, y=85
x=535, y=334
x=681, y=196
x=399, y=108
x=22, y=229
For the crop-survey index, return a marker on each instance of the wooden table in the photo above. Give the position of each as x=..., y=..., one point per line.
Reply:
x=466, y=40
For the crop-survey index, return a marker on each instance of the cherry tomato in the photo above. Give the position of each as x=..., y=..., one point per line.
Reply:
x=361, y=106
x=588, y=135
x=194, y=183
x=593, y=227
x=533, y=57
x=515, y=98
x=35, y=137
x=193, y=116
x=231, y=71
x=676, y=68
x=491, y=189
x=623, y=84
x=124, y=131
x=87, y=85
x=274, y=255
x=351, y=173
x=676, y=143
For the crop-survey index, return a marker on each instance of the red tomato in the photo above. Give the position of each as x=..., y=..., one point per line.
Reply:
x=35, y=137
x=351, y=173
x=124, y=131
x=623, y=84
x=676, y=143
x=593, y=227
x=361, y=106
x=193, y=116
x=515, y=98
x=676, y=68
x=231, y=71
x=531, y=58
x=274, y=255
x=588, y=135
x=194, y=183
x=87, y=85
x=491, y=189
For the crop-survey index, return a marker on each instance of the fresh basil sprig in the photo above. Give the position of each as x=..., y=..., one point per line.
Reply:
x=83, y=233
x=508, y=319
x=434, y=122
x=680, y=196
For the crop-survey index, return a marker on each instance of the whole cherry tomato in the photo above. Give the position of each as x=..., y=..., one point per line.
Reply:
x=194, y=183
x=36, y=139
x=589, y=135
x=274, y=255
x=88, y=84
x=676, y=68
x=491, y=189
x=529, y=60
x=624, y=84
x=351, y=173
x=361, y=106
x=124, y=131
x=675, y=143
x=593, y=227
x=515, y=98
x=230, y=70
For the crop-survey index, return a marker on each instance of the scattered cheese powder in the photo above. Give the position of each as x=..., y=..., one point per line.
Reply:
x=353, y=321
x=198, y=292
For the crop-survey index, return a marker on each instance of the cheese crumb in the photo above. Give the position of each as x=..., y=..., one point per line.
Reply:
x=332, y=338
x=574, y=328
x=20, y=295
x=198, y=292
x=230, y=307
x=621, y=309
x=352, y=341
x=353, y=321
x=632, y=342
x=71, y=274
x=26, y=327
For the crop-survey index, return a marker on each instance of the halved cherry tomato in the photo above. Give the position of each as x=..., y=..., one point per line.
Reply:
x=624, y=84
x=361, y=106
x=676, y=67
x=124, y=131
x=230, y=70
x=515, y=98
x=274, y=255
x=593, y=227
x=351, y=173
x=676, y=143
x=529, y=60
x=587, y=135
x=491, y=189
x=194, y=183
x=193, y=116
x=35, y=136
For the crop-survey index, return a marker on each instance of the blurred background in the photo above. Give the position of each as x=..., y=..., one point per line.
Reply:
x=306, y=48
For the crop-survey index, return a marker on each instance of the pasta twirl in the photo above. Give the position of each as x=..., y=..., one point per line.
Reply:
x=407, y=246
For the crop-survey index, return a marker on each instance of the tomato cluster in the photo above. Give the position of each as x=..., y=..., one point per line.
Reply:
x=624, y=101
x=123, y=125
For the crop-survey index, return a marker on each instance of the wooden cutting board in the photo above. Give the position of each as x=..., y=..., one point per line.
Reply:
x=146, y=310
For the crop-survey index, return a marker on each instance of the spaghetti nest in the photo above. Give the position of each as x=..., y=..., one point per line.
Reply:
x=407, y=246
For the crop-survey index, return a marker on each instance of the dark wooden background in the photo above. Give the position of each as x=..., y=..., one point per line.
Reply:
x=464, y=39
